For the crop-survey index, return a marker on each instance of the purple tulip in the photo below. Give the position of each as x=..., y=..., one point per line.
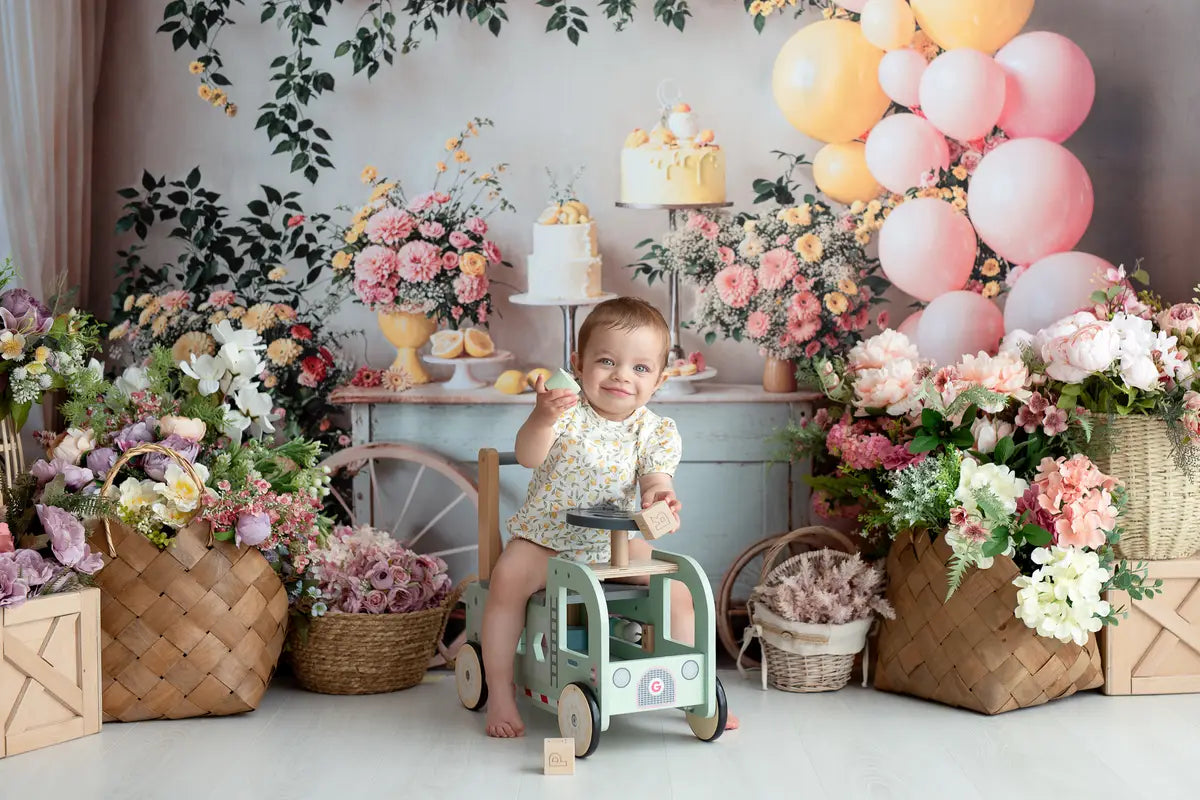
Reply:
x=101, y=460
x=135, y=434
x=23, y=312
x=155, y=464
x=252, y=529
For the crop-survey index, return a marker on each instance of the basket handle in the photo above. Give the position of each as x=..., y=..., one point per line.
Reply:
x=840, y=542
x=126, y=457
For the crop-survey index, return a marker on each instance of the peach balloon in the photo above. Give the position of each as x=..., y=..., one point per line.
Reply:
x=1052, y=288
x=1030, y=198
x=840, y=171
x=962, y=93
x=852, y=5
x=900, y=74
x=909, y=326
x=1050, y=86
x=957, y=324
x=985, y=25
x=902, y=148
x=826, y=81
x=927, y=248
x=888, y=24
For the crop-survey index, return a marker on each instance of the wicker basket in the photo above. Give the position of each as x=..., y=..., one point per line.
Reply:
x=1161, y=518
x=971, y=651
x=798, y=656
x=190, y=631
x=369, y=653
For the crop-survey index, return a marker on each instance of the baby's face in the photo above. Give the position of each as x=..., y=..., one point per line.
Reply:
x=621, y=369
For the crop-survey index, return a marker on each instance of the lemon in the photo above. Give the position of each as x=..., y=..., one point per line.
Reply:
x=446, y=344
x=478, y=343
x=532, y=377
x=511, y=382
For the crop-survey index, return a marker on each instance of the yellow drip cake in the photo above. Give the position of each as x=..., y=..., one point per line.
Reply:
x=675, y=164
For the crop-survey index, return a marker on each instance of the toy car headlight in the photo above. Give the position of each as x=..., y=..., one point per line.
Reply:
x=690, y=669
x=621, y=678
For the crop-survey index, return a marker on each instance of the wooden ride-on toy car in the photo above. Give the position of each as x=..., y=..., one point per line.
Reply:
x=572, y=659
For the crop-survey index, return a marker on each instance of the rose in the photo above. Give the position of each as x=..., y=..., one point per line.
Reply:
x=472, y=263
x=6, y=539
x=376, y=602
x=988, y=432
x=491, y=251
x=252, y=528
x=880, y=350
x=459, y=240
x=74, y=445
x=477, y=226
x=188, y=428
x=380, y=576
x=449, y=259
x=402, y=599
x=24, y=313
x=1181, y=319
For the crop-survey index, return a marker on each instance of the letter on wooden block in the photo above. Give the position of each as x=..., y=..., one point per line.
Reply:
x=559, y=757
x=657, y=520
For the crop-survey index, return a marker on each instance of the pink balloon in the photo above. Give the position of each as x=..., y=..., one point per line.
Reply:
x=962, y=93
x=1053, y=288
x=927, y=248
x=958, y=324
x=903, y=147
x=909, y=326
x=1030, y=198
x=900, y=74
x=1050, y=86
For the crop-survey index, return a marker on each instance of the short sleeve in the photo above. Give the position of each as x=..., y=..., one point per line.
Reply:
x=661, y=450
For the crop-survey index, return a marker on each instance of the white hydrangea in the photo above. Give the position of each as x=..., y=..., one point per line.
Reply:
x=1001, y=480
x=1061, y=599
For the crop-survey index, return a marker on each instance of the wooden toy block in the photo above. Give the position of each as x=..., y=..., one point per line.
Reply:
x=561, y=380
x=559, y=757
x=655, y=521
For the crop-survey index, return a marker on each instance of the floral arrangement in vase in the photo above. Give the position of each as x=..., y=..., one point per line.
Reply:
x=365, y=571
x=419, y=260
x=40, y=348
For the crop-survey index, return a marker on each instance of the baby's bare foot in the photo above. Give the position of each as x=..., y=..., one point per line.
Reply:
x=503, y=718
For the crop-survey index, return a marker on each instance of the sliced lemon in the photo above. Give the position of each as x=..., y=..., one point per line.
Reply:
x=532, y=377
x=446, y=344
x=478, y=343
x=511, y=382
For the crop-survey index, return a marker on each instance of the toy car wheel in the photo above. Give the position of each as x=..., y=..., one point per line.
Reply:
x=709, y=729
x=468, y=675
x=579, y=718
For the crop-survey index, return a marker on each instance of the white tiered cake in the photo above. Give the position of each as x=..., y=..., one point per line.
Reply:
x=565, y=263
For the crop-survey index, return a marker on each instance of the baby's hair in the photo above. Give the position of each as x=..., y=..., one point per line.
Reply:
x=628, y=314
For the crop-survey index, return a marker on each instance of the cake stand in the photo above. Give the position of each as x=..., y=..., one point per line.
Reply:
x=684, y=384
x=568, y=306
x=673, y=288
x=462, y=379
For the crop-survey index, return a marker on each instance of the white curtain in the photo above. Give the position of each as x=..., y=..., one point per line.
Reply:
x=49, y=69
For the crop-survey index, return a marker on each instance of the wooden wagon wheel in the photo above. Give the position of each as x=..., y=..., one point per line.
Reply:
x=419, y=497
x=746, y=572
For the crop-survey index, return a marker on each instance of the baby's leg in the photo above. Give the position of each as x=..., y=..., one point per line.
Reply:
x=520, y=571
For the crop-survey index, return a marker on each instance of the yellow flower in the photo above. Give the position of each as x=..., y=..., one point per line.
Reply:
x=796, y=215
x=452, y=144
x=277, y=274
x=960, y=172
x=827, y=12
x=991, y=289
x=836, y=302
x=219, y=316
x=990, y=268
x=397, y=380
x=237, y=312
x=756, y=8
x=359, y=227
x=960, y=203
x=440, y=167
x=341, y=260
x=847, y=286
x=119, y=331
x=145, y=317
x=857, y=207
x=128, y=303
x=159, y=326
x=945, y=194
x=863, y=237
x=35, y=368
x=192, y=343
x=41, y=354
x=143, y=300
x=351, y=236
x=218, y=98
x=205, y=91
x=472, y=263
x=461, y=156
x=368, y=174
x=381, y=191
x=195, y=68
x=874, y=207
x=283, y=351
x=810, y=248
x=231, y=110
x=259, y=317
x=487, y=176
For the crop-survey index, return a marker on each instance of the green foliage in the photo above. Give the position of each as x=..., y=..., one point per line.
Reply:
x=197, y=25
x=784, y=189
x=921, y=495
x=960, y=562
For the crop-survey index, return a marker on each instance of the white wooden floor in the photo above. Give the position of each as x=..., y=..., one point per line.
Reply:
x=420, y=744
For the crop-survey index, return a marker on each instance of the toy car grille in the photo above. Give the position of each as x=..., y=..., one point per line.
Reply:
x=656, y=688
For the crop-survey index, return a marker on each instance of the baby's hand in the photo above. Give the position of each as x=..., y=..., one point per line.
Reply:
x=551, y=404
x=663, y=494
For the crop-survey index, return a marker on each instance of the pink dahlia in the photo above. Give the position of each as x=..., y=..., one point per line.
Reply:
x=390, y=226
x=736, y=285
x=419, y=261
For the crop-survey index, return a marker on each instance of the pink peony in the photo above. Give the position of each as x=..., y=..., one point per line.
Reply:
x=432, y=229
x=491, y=251
x=757, y=324
x=470, y=288
x=879, y=350
x=477, y=226
x=449, y=259
x=892, y=388
x=1181, y=319
x=390, y=225
x=419, y=261
x=804, y=306
x=776, y=268
x=1078, y=346
x=422, y=202
x=1004, y=374
x=736, y=285
x=459, y=240
x=376, y=264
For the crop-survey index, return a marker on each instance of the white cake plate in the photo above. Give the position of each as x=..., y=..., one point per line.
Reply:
x=685, y=384
x=462, y=379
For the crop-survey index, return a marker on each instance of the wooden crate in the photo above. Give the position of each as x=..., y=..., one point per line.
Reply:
x=1156, y=649
x=49, y=671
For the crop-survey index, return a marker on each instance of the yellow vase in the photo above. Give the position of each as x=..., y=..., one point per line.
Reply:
x=407, y=332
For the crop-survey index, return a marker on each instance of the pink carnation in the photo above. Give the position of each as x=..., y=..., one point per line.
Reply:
x=459, y=240
x=736, y=285
x=777, y=268
x=757, y=324
x=432, y=229
x=375, y=264
x=419, y=261
x=470, y=288
x=390, y=226
x=477, y=226
x=422, y=202
x=491, y=251
x=441, y=197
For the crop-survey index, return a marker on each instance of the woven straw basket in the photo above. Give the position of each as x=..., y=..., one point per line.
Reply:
x=1161, y=518
x=369, y=653
x=799, y=656
x=190, y=631
x=970, y=652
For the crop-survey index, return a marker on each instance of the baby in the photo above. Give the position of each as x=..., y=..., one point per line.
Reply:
x=606, y=447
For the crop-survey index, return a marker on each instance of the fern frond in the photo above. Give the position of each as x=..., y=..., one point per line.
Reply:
x=959, y=563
